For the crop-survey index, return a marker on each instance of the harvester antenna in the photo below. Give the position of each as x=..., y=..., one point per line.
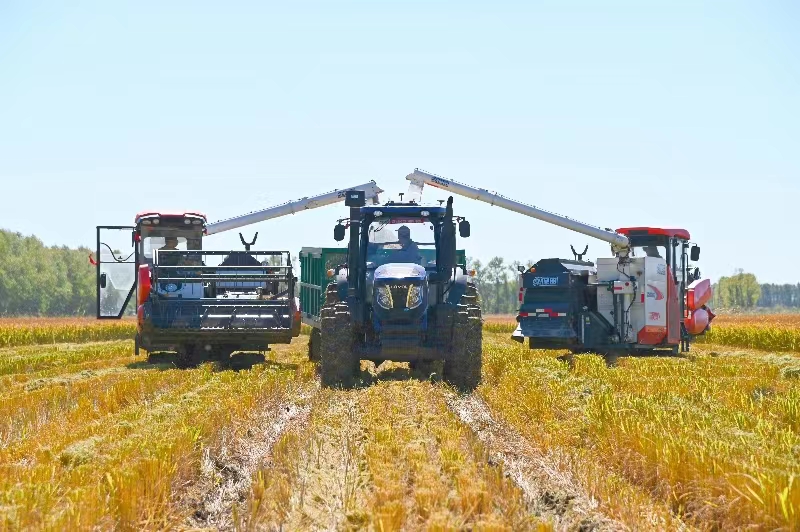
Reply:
x=579, y=256
x=401, y=194
x=245, y=243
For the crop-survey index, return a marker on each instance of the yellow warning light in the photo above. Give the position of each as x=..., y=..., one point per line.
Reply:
x=331, y=272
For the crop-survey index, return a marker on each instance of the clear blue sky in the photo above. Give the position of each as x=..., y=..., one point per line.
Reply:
x=679, y=114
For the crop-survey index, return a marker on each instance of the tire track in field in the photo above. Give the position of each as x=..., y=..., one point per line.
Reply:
x=548, y=489
x=388, y=454
x=226, y=475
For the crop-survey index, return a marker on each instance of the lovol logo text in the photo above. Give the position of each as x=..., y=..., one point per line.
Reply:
x=440, y=181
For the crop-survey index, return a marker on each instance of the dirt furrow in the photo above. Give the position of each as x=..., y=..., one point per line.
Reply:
x=549, y=490
x=227, y=471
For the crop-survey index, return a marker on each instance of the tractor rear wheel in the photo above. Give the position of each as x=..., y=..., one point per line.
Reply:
x=463, y=368
x=339, y=365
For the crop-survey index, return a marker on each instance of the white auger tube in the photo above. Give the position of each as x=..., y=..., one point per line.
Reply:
x=370, y=189
x=419, y=178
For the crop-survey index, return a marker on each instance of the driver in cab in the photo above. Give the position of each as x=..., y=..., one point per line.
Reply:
x=170, y=259
x=409, y=251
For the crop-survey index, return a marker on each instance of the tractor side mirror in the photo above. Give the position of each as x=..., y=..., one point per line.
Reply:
x=338, y=232
x=694, y=254
x=463, y=228
x=696, y=274
x=521, y=269
x=102, y=280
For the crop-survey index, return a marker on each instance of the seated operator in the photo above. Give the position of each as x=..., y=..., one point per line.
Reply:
x=409, y=251
x=170, y=259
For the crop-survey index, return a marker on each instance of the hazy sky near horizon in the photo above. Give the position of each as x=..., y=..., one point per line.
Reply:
x=678, y=114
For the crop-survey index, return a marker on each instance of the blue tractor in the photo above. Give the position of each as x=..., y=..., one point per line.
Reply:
x=401, y=296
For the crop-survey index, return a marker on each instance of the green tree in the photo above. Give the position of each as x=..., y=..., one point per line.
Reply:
x=740, y=290
x=36, y=280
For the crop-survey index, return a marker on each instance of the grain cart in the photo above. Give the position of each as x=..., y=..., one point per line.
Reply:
x=646, y=298
x=197, y=302
x=386, y=299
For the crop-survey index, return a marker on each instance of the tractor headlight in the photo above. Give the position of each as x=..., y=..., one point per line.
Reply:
x=414, y=298
x=383, y=297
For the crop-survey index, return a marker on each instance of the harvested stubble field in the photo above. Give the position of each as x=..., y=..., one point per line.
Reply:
x=92, y=437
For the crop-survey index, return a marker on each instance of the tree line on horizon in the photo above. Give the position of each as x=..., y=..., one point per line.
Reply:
x=39, y=280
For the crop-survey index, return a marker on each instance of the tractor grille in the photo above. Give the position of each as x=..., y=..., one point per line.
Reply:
x=399, y=295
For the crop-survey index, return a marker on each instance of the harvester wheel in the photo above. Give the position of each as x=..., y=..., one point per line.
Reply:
x=221, y=353
x=463, y=368
x=338, y=364
x=188, y=356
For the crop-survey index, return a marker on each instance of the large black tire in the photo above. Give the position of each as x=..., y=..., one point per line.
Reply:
x=463, y=368
x=188, y=356
x=339, y=365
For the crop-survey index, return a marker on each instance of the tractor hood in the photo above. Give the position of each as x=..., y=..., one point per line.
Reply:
x=396, y=271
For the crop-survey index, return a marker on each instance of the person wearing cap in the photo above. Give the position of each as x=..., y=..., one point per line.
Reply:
x=171, y=259
x=408, y=248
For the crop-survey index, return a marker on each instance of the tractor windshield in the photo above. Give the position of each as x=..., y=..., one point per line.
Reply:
x=408, y=240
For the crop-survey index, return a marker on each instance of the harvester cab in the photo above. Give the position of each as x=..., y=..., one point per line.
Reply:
x=404, y=294
x=647, y=297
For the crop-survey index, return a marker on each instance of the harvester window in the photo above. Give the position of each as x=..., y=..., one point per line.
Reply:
x=161, y=242
x=650, y=251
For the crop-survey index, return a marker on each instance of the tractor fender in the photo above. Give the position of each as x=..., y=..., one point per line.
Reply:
x=457, y=289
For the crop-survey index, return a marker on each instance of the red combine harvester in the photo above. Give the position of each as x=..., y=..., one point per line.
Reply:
x=646, y=298
x=195, y=302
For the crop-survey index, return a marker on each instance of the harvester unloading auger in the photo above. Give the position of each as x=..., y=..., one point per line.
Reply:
x=193, y=301
x=645, y=298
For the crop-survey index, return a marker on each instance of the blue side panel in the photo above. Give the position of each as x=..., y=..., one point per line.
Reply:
x=546, y=328
x=543, y=280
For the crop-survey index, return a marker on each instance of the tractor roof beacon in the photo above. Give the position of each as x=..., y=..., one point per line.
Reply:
x=402, y=293
x=645, y=298
x=198, y=302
